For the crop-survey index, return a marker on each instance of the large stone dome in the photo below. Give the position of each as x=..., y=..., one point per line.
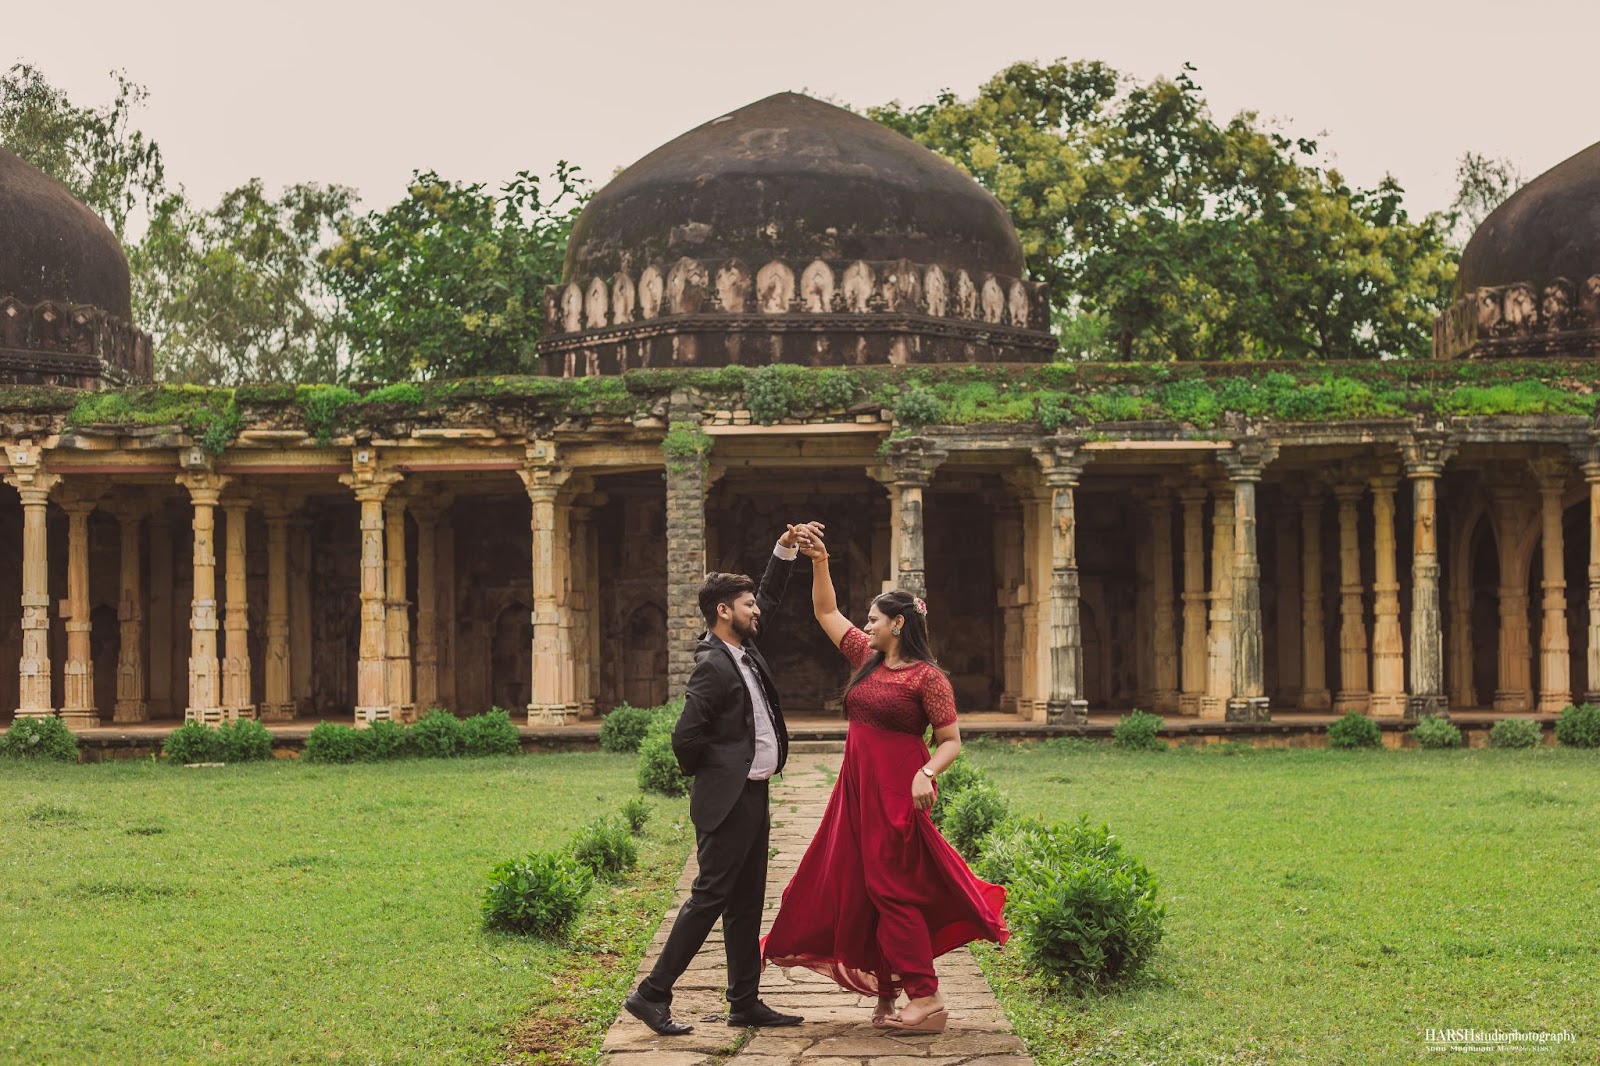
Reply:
x=793, y=178
x=1548, y=229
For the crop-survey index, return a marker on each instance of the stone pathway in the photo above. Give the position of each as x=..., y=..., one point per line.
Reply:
x=837, y=1030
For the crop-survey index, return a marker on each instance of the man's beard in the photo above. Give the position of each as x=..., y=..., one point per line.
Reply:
x=744, y=631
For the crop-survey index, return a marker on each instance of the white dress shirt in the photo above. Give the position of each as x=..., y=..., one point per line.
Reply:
x=765, y=763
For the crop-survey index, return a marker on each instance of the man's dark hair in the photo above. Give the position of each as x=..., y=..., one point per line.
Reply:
x=722, y=588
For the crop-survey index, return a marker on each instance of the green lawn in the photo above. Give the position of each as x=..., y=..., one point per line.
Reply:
x=1328, y=907
x=286, y=912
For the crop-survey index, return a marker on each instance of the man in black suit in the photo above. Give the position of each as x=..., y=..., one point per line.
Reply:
x=731, y=739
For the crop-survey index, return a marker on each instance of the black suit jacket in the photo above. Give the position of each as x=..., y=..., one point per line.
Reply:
x=715, y=738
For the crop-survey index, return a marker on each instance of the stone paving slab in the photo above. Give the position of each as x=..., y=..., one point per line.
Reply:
x=837, y=1030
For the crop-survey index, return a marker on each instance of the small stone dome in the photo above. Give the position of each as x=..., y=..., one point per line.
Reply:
x=54, y=248
x=793, y=178
x=1548, y=229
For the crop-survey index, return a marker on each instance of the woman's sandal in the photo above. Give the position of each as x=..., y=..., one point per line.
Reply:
x=932, y=1022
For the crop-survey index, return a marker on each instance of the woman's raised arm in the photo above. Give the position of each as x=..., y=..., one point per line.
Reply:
x=824, y=602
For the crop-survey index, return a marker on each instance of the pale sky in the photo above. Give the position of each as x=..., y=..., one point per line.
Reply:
x=361, y=94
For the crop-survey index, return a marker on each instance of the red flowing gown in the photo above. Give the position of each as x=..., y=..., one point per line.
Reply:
x=879, y=893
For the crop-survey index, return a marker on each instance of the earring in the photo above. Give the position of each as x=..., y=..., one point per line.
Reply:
x=895, y=632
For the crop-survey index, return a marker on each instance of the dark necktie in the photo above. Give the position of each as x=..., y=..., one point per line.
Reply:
x=766, y=692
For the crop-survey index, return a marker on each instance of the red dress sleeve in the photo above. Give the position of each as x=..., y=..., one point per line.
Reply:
x=856, y=647
x=938, y=698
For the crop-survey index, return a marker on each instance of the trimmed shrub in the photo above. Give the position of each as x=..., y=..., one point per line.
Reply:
x=971, y=816
x=42, y=738
x=623, y=729
x=540, y=895
x=491, y=733
x=636, y=812
x=245, y=740
x=332, y=742
x=1436, y=731
x=1007, y=848
x=658, y=766
x=437, y=735
x=1083, y=908
x=956, y=779
x=380, y=741
x=605, y=847
x=1354, y=731
x=193, y=742
x=1579, y=727
x=1137, y=732
x=1515, y=733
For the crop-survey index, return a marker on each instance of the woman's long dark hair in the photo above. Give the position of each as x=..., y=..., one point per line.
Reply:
x=913, y=633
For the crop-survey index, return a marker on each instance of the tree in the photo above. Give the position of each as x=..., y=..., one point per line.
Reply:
x=1164, y=234
x=93, y=152
x=449, y=282
x=1482, y=184
x=235, y=294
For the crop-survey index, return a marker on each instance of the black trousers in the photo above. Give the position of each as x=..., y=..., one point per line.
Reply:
x=731, y=885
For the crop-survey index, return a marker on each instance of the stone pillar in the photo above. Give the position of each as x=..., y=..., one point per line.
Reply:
x=561, y=561
x=159, y=676
x=580, y=605
x=1219, y=635
x=1514, y=691
x=205, y=690
x=1314, y=694
x=1591, y=475
x=131, y=705
x=371, y=485
x=1194, y=668
x=1164, y=699
x=397, y=610
x=77, y=698
x=1063, y=463
x=301, y=666
x=911, y=464
x=1425, y=457
x=236, y=701
x=1010, y=582
x=1459, y=661
x=543, y=480
x=278, y=680
x=1290, y=597
x=28, y=477
x=425, y=512
x=1555, y=663
x=1248, y=701
x=445, y=567
x=1352, y=695
x=1388, y=644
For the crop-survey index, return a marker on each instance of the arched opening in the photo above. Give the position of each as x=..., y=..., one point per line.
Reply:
x=644, y=656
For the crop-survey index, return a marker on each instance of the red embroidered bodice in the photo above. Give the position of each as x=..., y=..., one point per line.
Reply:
x=907, y=700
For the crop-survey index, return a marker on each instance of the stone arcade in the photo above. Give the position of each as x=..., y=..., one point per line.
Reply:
x=510, y=554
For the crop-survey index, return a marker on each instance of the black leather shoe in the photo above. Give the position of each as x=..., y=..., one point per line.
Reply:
x=761, y=1016
x=658, y=1016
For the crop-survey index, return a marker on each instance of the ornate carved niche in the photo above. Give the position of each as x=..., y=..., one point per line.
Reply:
x=1489, y=312
x=82, y=325
x=902, y=287
x=733, y=287
x=572, y=308
x=1521, y=309
x=49, y=332
x=651, y=288
x=687, y=282
x=858, y=284
x=1589, y=302
x=775, y=288
x=1017, y=304
x=622, y=297
x=1555, y=306
x=966, y=296
x=13, y=323
x=816, y=287
x=594, y=304
x=935, y=295
x=994, y=301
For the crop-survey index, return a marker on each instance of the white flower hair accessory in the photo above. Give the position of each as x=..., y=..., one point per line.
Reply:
x=922, y=608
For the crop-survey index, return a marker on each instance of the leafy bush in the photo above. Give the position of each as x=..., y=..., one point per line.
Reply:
x=1436, y=731
x=245, y=740
x=332, y=742
x=1007, y=848
x=624, y=727
x=1515, y=733
x=956, y=779
x=1137, y=732
x=1354, y=731
x=916, y=406
x=605, y=847
x=490, y=733
x=971, y=816
x=193, y=742
x=658, y=767
x=540, y=895
x=39, y=737
x=636, y=812
x=768, y=395
x=1083, y=908
x=835, y=389
x=437, y=734
x=383, y=739
x=1579, y=727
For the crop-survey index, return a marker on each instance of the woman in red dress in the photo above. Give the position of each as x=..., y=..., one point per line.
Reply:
x=879, y=893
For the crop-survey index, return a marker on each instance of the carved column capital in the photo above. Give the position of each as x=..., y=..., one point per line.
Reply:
x=911, y=461
x=28, y=475
x=78, y=497
x=1426, y=454
x=205, y=486
x=1247, y=459
x=1061, y=459
x=1551, y=472
x=1385, y=476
